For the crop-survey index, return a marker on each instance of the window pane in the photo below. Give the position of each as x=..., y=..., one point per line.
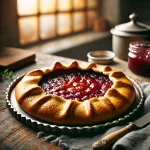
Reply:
x=92, y=3
x=64, y=23
x=28, y=30
x=64, y=5
x=79, y=21
x=91, y=15
x=47, y=26
x=27, y=7
x=47, y=6
x=79, y=4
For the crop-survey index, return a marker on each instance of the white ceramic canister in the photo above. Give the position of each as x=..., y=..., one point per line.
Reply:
x=126, y=33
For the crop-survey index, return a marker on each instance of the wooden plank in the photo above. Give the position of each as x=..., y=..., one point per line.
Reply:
x=5, y=114
x=3, y=88
x=8, y=127
x=26, y=139
x=15, y=135
x=32, y=143
x=11, y=141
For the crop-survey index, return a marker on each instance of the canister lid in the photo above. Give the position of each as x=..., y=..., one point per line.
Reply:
x=133, y=26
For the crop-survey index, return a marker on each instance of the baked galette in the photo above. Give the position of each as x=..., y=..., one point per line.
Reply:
x=76, y=94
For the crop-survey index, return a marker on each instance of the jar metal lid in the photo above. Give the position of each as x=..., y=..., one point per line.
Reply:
x=140, y=46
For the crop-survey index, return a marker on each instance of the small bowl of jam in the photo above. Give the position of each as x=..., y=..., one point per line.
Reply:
x=139, y=57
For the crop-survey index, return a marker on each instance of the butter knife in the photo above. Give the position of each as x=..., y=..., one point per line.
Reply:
x=111, y=138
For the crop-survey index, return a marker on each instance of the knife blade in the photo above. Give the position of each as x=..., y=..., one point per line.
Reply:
x=111, y=138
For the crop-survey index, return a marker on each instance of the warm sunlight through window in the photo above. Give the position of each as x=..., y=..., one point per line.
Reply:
x=47, y=26
x=40, y=20
x=79, y=4
x=47, y=6
x=64, y=5
x=27, y=7
x=29, y=34
x=78, y=21
x=64, y=23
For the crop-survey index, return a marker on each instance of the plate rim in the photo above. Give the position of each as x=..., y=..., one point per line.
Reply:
x=65, y=129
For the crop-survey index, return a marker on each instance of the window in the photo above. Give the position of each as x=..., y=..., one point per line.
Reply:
x=40, y=20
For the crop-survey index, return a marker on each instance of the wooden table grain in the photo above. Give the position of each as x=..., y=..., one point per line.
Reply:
x=14, y=135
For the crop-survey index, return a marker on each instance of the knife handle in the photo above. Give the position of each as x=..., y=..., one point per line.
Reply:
x=109, y=139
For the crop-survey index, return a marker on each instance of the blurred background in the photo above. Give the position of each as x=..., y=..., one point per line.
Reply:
x=69, y=28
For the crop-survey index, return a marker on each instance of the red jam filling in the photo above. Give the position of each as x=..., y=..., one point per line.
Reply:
x=75, y=84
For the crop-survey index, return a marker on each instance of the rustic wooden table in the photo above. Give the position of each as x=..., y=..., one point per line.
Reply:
x=14, y=135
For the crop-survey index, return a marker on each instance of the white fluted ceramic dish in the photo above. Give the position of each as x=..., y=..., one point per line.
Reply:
x=40, y=125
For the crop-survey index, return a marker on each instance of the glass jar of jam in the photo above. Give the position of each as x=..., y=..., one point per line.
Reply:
x=139, y=57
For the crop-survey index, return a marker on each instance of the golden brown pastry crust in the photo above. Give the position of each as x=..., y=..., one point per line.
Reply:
x=54, y=109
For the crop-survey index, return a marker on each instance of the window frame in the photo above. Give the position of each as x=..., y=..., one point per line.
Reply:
x=56, y=12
